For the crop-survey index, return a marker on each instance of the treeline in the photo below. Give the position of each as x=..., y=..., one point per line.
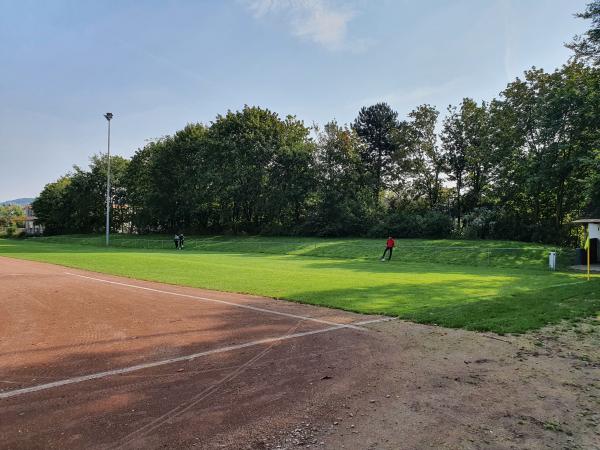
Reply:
x=522, y=166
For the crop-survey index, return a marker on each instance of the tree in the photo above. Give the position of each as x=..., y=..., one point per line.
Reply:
x=179, y=178
x=290, y=178
x=545, y=129
x=140, y=186
x=86, y=195
x=11, y=216
x=592, y=186
x=260, y=169
x=376, y=125
x=51, y=207
x=341, y=200
x=587, y=46
x=480, y=159
x=420, y=139
x=465, y=153
x=75, y=203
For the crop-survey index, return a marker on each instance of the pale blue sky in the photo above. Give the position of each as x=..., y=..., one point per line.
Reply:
x=160, y=64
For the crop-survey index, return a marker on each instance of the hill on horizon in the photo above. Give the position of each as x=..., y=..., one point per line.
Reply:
x=18, y=201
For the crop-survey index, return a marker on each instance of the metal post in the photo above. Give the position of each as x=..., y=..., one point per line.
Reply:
x=108, y=117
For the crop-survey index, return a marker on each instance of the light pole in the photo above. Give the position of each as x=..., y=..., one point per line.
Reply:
x=108, y=117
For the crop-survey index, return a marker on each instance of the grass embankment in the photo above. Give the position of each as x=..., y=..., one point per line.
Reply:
x=476, y=297
x=460, y=252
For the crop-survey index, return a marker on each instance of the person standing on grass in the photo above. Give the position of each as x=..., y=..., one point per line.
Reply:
x=181, y=239
x=389, y=246
x=176, y=240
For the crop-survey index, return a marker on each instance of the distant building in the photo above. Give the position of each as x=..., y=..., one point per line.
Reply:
x=31, y=228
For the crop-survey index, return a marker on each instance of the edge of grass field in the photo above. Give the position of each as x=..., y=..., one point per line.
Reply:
x=451, y=320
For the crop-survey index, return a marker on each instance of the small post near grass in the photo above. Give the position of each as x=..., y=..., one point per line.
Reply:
x=587, y=249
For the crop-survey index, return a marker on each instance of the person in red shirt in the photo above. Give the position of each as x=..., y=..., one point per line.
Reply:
x=389, y=246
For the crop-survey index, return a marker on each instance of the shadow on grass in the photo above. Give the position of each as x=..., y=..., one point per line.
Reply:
x=477, y=298
x=515, y=312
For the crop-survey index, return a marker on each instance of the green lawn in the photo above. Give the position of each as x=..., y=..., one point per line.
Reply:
x=515, y=296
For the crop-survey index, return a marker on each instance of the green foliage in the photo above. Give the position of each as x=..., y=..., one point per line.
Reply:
x=404, y=224
x=546, y=129
x=11, y=216
x=377, y=125
x=260, y=166
x=466, y=155
x=422, y=156
x=592, y=185
x=167, y=182
x=587, y=46
x=76, y=202
x=341, y=198
x=522, y=166
x=52, y=207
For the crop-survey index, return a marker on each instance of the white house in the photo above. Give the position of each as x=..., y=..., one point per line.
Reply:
x=31, y=228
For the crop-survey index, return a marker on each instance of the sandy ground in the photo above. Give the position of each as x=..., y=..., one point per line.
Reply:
x=439, y=388
x=393, y=385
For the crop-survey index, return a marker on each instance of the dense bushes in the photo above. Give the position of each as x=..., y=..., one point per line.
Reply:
x=429, y=224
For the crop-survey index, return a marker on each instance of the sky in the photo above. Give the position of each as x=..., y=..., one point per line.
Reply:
x=160, y=64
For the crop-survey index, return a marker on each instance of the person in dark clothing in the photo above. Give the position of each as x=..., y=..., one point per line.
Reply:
x=181, y=241
x=389, y=246
x=176, y=240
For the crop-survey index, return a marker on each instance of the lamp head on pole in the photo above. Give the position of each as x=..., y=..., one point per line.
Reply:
x=108, y=116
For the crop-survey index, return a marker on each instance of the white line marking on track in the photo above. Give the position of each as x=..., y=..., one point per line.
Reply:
x=107, y=373
x=214, y=300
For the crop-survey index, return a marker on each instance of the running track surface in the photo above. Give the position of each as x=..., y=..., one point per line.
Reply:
x=90, y=360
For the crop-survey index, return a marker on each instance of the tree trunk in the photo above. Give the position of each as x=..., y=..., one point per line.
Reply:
x=458, y=200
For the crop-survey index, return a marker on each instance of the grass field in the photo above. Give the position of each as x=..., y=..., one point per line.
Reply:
x=477, y=286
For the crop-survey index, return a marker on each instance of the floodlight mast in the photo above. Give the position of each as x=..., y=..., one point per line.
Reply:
x=108, y=117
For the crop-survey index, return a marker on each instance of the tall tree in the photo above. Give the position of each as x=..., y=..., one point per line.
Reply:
x=377, y=125
x=179, y=177
x=86, y=194
x=455, y=152
x=592, y=186
x=466, y=155
x=140, y=185
x=548, y=130
x=480, y=159
x=587, y=46
x=419, y=136
x=342, y=201
x=51, y=207
x=252, y=154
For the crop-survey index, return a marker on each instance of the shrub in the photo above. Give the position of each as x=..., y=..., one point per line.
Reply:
x=431, y=224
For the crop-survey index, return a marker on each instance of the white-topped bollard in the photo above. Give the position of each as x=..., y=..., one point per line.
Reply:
x=552, y=261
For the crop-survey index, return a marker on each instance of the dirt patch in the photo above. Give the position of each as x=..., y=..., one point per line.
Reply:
x=397, y=385
x=438, y=388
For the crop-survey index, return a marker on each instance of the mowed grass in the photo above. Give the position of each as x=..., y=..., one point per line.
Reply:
x=478, y=297
x=462, y=252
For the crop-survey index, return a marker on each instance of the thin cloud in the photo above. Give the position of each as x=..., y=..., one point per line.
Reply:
x=318, y=21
